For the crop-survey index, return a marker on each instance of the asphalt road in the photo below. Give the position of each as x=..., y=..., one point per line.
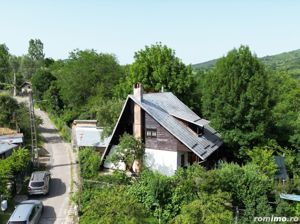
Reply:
x=57, y=206
x=57, y=201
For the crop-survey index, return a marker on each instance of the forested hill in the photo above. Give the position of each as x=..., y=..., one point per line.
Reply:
x=287, y=61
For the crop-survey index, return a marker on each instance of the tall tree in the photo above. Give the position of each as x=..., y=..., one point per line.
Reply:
x=286, y=112
x=236, y=98
x=84, y=75
x=36, y=50
x=41, y=82
x=157, y=67
x=4, y=66
x=8, y=108
x=34, y=59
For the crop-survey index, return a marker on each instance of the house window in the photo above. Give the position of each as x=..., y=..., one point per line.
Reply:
x=152, y=133
x=182, y=160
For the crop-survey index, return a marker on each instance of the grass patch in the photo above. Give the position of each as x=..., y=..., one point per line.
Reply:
x=64, y=130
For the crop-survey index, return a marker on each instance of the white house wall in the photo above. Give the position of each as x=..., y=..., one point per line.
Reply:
x=161, y=160
x=109, y=165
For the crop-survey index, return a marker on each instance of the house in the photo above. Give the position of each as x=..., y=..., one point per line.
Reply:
x=11, y=136
x=9, y=140
x=26, y=88
x=6, y=149
x=85, y=133
x=174, y=136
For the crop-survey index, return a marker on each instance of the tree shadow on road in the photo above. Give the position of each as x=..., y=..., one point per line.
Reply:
x=48, y=215
x=53, y=139
x=57, y=187
x=48, y=130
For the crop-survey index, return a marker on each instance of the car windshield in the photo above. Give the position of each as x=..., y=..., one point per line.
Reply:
x=37, y=184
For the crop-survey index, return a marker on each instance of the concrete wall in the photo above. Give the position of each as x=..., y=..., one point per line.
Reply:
x=165, y=162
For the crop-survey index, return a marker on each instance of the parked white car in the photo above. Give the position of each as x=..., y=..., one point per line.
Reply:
x=27, y=212
x=39, y=182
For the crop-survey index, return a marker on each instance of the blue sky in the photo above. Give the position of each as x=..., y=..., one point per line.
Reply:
x=197, y=30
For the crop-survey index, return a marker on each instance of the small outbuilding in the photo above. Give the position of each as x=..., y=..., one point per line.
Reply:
x=6, y=149
x=26, y=88
x=85, y=133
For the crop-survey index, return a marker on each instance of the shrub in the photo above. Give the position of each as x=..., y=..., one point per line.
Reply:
x=89, y=161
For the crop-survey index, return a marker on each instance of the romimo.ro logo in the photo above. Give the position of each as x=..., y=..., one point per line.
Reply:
x=275, y=219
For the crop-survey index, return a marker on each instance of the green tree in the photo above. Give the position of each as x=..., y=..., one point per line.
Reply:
x=28, y=67
x=264, y=158
x=154, y=190
x=106, y=111
x=8, y=108
x=41, y=82
x=249, y=188
x=128, y=150
x=79, y=78
x=188, y=183
x=34, y=59
x=14, y=115
x=209, y=208
x=286, y=113
x=112, y=205
x=14, y=164
x=52, y=99
x=89, y=161
x=15, y=64
x=157, y=67
x=36, y=50
x=236, y=99
x=4, y=66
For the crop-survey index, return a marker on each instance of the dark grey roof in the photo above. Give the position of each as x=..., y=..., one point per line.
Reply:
x=163, y=107
x=5, y=147
x=173, y=106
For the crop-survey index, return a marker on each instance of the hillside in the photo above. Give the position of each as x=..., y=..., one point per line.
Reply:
x=287, y=61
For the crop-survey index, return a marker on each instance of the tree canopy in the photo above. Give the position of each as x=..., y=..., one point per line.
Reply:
x=157, y=67
x=4, y=66
x=236, y=98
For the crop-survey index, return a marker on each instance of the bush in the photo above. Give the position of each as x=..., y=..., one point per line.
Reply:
x=111, y=205
x=14, y=164
x=89, y=161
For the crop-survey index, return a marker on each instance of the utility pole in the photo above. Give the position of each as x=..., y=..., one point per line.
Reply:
x=34, y=148
x=15, y=84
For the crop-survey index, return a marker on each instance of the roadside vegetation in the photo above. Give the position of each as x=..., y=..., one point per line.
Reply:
x=256, y=109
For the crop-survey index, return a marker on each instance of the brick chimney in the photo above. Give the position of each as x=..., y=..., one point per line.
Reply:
x=137, y=121
x=138, y=91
